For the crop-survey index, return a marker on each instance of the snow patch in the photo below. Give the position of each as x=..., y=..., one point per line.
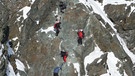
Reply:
x=18, y=19
x=99, y=9
x=10, y=71
x=37, y=21
x=99, y=60
x=102, y=24
x=132, y=10
x=111, y=62
x=91, y=57
x=20, y=65
x=54, y=58
x=17, y=46
x=1, y=48
x=125, y=74
x=77, y=67
x=20, y=28
x=18, y=74
x=15, y=38
x=112, y=34
x=25, y=10
x=47, y=30
x=27, y=65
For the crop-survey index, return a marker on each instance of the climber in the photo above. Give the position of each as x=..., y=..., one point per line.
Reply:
x=80, y=34
x=64, y=55
x=57, y=69
x=5, y=34
x=57, y=27
x=62, y=6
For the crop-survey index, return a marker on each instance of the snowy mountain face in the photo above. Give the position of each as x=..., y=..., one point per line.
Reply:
x=30, y=47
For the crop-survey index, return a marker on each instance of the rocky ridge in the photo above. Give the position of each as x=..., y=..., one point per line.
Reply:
x=40, y=50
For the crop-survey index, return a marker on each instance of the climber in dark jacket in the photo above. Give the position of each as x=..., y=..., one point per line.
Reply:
x=62, y=6
x=5, y=34
x=64, y=55
x=57, y=69
x=57, y=27
x=80, y=34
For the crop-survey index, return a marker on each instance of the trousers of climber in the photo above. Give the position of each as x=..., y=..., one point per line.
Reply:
x=64, y=55
x=80, y=34
x=57, y=27
x=56, y=70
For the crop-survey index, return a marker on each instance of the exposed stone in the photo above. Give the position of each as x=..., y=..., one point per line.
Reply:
x=42, y=50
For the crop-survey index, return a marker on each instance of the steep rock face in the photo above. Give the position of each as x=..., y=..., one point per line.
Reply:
x=3, y=65
x=122, y=16
x=107, y=43
x=41, y=49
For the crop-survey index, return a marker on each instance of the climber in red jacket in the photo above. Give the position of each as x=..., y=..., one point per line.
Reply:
x=64, y=55
x=80, y=34
x=57, y=27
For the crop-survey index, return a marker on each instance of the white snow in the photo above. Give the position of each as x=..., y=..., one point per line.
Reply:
x=37, y=21
x=27, y=65
x=18, y=74
x=77, y=67
x=97, y=8
x=47, y=30
x=125, y=74
x=112, y=34
x=1, y=48
x=15, y=38
x=111, y=62
x=18, y=19
x=54, y=58
x=132, y=10
x=20, y=65
x=20, y=28
x=17, y=46
x=91, y=57
x=10, y=71
x=112, y=68
x=99, y=60
x=25, y=10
